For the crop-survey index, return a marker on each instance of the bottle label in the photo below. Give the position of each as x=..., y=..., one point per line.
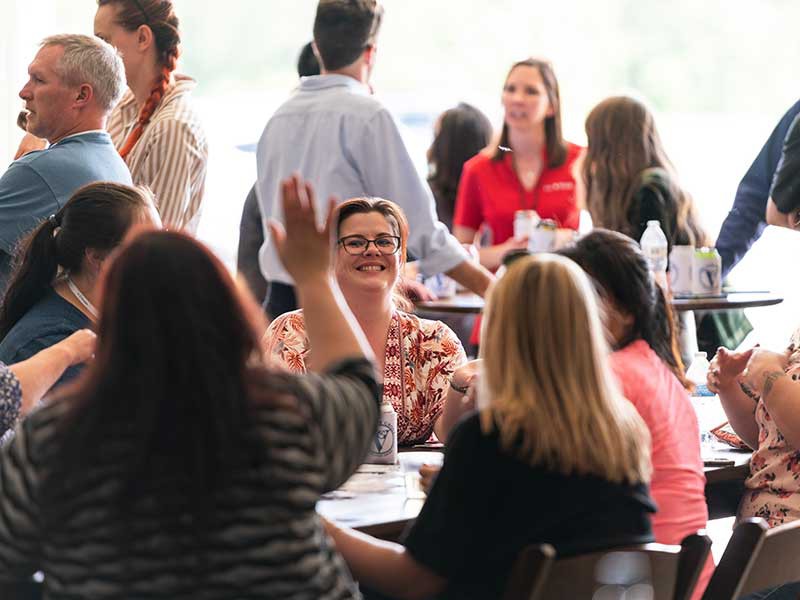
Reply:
x=701, y=389
x=706, y=272
x=657, y=257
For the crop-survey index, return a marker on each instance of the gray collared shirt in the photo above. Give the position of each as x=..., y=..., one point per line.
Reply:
x=346, y=143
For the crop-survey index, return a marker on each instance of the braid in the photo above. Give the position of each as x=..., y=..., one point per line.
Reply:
x=165, y=29
x=151, y=104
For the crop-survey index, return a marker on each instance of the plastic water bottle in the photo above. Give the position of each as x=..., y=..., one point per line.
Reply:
x=696, y=373
x=654, y=247
x=383, y=448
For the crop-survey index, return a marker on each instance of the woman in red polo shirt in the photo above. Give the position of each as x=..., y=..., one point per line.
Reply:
x=531, y=167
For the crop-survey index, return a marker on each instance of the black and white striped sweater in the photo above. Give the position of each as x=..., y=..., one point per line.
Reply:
x=266, y=542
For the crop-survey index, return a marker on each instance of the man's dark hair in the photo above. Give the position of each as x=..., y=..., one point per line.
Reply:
x=343, y=29
x=307, y=63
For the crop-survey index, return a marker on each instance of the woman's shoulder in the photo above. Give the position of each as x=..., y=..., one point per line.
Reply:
x=54, y=312
x=176, y=103
x=573, y=151
x=287, y=341
x=47, y=322
x=637, y=360
x=290, y=321
x=482, y=161
x=645, y=379
x=636, y=351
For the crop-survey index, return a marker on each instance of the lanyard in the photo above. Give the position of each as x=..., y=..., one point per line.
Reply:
x=81, y=298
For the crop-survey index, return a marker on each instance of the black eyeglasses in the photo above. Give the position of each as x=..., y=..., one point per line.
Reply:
x=358, y=244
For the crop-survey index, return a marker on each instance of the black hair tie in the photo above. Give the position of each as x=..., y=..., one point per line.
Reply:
x=53, y=221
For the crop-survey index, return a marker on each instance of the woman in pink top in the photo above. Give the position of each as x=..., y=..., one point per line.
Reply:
x=649, y=369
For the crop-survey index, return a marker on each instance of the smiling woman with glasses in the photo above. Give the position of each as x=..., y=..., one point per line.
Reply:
x=418, y=356
x=357, y=244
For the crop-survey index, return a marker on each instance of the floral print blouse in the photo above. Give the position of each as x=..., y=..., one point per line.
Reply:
x=425, y=352
x=773, y=488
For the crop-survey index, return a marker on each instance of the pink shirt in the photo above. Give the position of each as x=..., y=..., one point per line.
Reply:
x=678, y=484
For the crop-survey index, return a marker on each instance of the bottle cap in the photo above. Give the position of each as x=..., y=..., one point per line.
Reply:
x=705, y=252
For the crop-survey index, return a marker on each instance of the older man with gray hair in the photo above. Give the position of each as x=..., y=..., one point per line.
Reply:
x=73, y=83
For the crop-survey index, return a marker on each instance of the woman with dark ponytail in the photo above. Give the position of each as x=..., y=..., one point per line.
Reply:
x=154, y=126
x=52, y=292
x=646, y=360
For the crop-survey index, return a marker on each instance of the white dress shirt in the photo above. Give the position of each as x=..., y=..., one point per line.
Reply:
x=346, y=143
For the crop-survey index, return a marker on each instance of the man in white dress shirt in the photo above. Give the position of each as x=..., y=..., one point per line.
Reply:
x=346, y=143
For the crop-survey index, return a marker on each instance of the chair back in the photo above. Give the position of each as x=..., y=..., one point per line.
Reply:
x=655, y=571
x=756, y=558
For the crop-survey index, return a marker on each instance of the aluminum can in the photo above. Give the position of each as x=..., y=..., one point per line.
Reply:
x=383, y=448
x=680, y=270
x=525, y=222
x=706, y=272
x=543, y=238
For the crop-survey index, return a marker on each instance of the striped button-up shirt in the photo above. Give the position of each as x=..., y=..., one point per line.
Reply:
x=171, y=156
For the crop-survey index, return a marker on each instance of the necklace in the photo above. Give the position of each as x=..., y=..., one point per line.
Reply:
x=81, y=298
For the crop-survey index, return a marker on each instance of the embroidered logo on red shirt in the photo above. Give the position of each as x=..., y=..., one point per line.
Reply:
x=558, y=186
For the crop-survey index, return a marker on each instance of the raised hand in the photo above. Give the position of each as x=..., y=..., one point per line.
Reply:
x=304, y=247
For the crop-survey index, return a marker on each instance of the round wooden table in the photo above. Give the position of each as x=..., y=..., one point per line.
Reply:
x=468, y=303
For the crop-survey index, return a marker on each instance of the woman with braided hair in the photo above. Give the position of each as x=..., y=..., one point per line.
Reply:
x=154, y=126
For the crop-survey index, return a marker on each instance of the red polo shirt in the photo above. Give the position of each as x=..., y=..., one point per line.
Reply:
x=490, y=193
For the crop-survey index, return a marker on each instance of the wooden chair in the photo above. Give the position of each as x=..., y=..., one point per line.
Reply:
x=756, y=558
x=669, y=571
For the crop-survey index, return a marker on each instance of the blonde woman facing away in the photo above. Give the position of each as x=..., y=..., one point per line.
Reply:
x=417, y=356
x=553, y=431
